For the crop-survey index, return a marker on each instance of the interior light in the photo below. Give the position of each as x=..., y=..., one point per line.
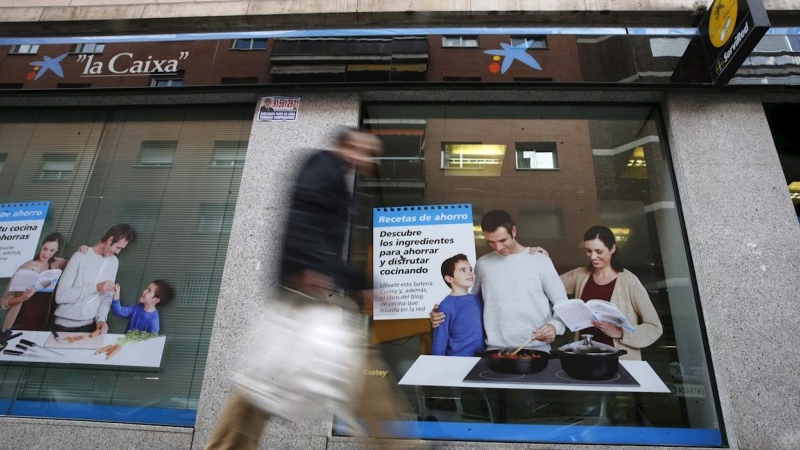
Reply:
x=794, y=186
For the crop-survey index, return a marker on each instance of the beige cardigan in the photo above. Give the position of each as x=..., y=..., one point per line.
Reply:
x=631, y=298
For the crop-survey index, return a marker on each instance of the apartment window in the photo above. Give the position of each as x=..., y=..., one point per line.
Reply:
x=459, y=41
x=212, y=219
x=529, y=41
x=3, y=157
x=168, y=80
x=229, y=153
x=88, y=48
x=472, y=159
x=24, y=49
x=536, y=156
x=58, y=166
x=249, y=44
x=242, y=80
x=157, y=153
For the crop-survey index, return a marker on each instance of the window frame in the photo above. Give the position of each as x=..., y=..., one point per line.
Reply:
x=234, y=163
x=518, y=150
x=461, y=41
x=529, y=39
x=251, y=47
x=17, y=49
x=88, y=48
x=145, y=146
x=63, y=175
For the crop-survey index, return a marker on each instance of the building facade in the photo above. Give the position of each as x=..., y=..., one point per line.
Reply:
x=564, y=114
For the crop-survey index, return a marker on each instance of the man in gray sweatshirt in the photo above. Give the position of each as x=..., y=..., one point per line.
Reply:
x=517, y=289
x=85, y=289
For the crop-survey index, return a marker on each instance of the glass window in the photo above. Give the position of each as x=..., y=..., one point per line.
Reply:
x=163, y=207
x=249, y=44
x=157, y=153
x=88, y=48
x=166, y=80
x=613, y=171
x=529, y=41
x=460, y=41
x=536, y=155
x=58, y=166
x=229, y=153
x=24, y=49
x=212, y=219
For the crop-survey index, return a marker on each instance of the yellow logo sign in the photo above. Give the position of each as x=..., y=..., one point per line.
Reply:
x=723, y=19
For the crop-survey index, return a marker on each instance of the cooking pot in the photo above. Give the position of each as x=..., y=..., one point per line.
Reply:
x=589, y=360
x=519, y=365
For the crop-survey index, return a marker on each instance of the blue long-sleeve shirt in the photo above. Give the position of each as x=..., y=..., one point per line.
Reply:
x=461, y=334
x=140, y=319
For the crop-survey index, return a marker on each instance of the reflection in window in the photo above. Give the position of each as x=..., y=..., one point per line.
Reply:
x=88, y=48
x=459, y=41
x=58, y=166
x=24, y=49
x=211, y=219
x=229, y=153
x=542, y=223
x=529, y=41
x=476, y=160
x=249, y=44
x=157, y=153
x=536, y=155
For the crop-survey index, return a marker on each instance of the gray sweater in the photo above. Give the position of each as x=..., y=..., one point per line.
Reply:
x=517, y=292
x=78, y=302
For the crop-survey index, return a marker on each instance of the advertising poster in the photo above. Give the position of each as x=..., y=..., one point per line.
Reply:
x=278, y=109
x=20, y=228
x=59, y=310
x=410, y=244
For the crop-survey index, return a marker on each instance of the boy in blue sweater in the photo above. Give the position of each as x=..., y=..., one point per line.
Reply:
x=143, y=315
x=461, y=334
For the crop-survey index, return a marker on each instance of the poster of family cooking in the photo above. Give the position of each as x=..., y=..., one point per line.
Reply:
x=493, y=319
x=57, y=310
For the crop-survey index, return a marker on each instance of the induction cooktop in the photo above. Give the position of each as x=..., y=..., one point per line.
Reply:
x=552, y=374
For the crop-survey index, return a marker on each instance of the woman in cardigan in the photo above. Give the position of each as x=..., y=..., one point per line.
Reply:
x=30, y=310
x=606, y=279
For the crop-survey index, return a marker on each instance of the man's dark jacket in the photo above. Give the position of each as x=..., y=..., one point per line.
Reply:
x=318, y=221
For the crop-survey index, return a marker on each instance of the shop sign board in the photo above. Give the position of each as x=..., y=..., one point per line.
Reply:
x=728, y=32
x=410, y=245
x=20, y=228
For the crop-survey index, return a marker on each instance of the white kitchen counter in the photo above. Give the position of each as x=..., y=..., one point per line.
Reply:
x=430, y=370
x=137, y=354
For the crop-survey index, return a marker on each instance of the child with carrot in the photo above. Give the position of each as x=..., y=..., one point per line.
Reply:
x=143, y=316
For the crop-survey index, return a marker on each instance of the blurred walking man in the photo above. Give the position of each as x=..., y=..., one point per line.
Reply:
x=316, y=355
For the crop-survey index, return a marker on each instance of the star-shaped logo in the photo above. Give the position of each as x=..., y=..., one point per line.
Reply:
x=51, y=64
x=511, y=53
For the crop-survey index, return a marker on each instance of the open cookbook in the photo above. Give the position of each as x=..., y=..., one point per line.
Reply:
x=578, y=315
x=26, y=279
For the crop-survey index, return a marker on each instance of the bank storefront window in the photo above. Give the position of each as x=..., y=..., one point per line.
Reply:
x=458, y=190
x=79, y=172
